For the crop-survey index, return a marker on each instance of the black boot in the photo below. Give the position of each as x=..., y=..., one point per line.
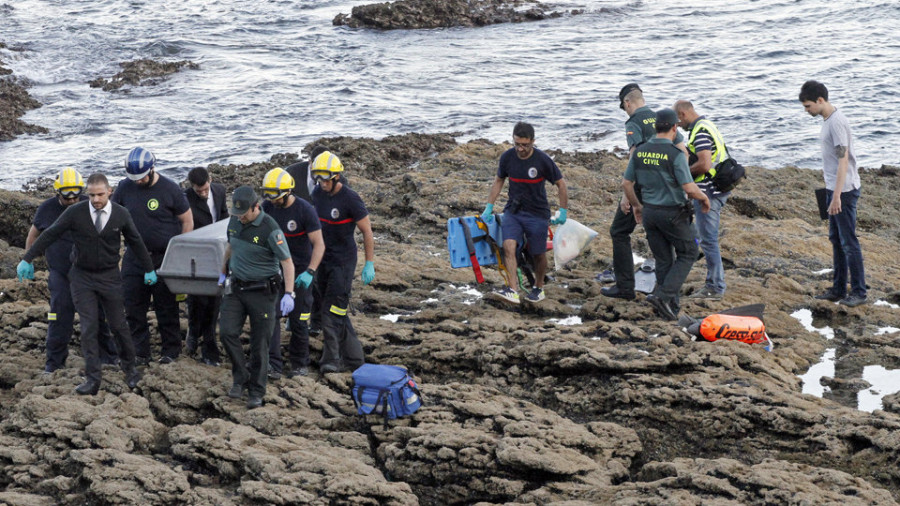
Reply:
x=89, y=387
x=132, y=378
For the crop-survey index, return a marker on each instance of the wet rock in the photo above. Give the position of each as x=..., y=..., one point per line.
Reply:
x=415, y=14
x=14, y=103
x=141, y=73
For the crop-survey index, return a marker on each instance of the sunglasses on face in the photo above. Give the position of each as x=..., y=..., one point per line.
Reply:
x=69, y=193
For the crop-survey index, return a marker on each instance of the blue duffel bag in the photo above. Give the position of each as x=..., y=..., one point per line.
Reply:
x=386, y=390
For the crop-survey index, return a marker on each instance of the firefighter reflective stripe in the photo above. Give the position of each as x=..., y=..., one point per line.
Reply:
x=304, y=317
x=719, y=153
x=51, y=317
x=339, y=311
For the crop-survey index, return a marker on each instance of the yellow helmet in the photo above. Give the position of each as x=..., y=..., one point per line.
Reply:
x=69, y=183
x=276, y=184
x=326, y=166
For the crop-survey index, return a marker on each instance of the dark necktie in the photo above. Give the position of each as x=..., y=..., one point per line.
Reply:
x=99, y=221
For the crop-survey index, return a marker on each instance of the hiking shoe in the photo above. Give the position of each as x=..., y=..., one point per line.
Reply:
x=615, y=292
x=853, y=301
x=607, y=276
x=328, y=368
x=829, y=295
x=706, y=293
x=273, y=375
x=662, y=308
x=535, y=295
x=236, y=391
x=505, y=294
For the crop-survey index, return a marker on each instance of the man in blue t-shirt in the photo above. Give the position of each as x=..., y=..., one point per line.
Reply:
x=300, y=224
x=69, y=186
x=160, y=211
x=341, y=212
x=527, y=212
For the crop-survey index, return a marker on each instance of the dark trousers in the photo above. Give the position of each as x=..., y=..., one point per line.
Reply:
x=203, y=314
x=236, y=307
x=90, y=290
x=137, y=303
x=623, y=260
x=298, y=319
x=673, y=241
x=61, y=322
x=340, y=345
x=845, y=251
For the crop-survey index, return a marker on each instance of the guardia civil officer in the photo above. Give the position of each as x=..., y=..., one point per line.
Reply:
x=256, y=247
x=639, y=128
x=341, y=211
x=160, y=210
x=207, y=201
x=300, y=224
x=662, y=171
x=706, y=149
x=97, y=227
x=69, y=186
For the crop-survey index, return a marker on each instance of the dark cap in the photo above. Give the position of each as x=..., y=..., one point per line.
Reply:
x=628, y=88
x=666, y=119
x=243, y=199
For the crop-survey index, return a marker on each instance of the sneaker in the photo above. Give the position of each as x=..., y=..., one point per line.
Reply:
x=505, y=294
x=298, y=371
x=830, y=295
x=607, y=276
x=535, y=295
x=706, y=293
x=853, y=301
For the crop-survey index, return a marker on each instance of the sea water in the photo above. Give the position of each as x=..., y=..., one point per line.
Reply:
x=275, y=75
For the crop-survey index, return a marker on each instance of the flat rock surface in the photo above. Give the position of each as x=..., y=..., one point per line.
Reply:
x=415, y=14
x=619, y=407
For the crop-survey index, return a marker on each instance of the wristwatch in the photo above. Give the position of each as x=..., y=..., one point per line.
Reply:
x=292, y=294
x=311, y=271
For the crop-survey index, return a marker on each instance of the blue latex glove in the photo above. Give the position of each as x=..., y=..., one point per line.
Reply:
x=287, y=304
x=304, y=279
x=150, y=278
x=222, y=278
x=561, y=219
x=25, y=271
x=488, y=215
x=368, y=273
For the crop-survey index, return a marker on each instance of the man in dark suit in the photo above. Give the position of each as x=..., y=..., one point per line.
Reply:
x=97, y=227
x=207, y=201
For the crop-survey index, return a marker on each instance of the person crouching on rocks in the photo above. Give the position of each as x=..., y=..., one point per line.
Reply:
x=527, y=212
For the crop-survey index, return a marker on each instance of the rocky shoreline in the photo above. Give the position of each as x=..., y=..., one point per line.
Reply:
x=622, y=408
x=14, y=103
x=423, y=14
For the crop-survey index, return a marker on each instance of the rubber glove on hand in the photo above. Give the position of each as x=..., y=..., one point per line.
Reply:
x=287, y=304
x=222, y=277
x=150, y=278
x=304, y=279
x=25, y=270
x=368, y=273
x=560, y=218
x=488, y=215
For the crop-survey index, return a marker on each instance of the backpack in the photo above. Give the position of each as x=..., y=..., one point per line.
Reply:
x=728, y=174
x=386, y=390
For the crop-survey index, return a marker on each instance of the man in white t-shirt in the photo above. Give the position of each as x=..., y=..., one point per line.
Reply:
x=842, y=193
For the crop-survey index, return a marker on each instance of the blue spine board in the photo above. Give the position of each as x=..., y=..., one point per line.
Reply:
x=456, y=242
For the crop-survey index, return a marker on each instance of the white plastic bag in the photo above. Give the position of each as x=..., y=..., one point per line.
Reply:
x=569, y=240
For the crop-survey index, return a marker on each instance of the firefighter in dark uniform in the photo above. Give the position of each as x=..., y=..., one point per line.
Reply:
x=297, y=219
x=661, y=170
x=341, y=212
x=256, y=246
x=69, y=186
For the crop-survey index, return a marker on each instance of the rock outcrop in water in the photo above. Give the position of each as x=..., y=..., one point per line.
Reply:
x=622, y=408
x=141, y=73
x=14, y=103
x=414, y=14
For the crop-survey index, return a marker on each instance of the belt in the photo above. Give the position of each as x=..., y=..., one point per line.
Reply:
x=663, y=208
